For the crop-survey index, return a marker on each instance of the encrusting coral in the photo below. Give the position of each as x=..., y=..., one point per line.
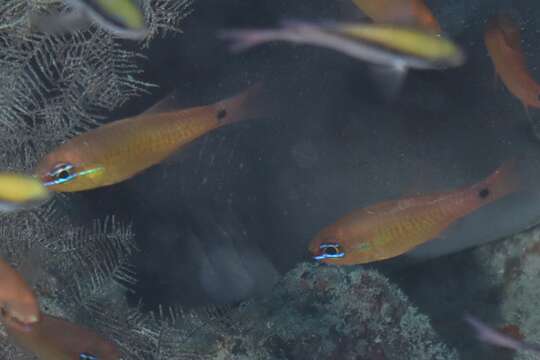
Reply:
x=321, y=312
x=513, y=266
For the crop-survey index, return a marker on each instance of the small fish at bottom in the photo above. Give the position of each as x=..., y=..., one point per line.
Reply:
x=494, y=337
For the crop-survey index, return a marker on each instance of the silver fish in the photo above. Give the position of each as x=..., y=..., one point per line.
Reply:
x=494, y=337
x=396, y=46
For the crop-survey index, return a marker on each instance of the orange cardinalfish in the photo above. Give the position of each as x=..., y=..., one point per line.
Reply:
x=504, y=46
x=53, y=338
x=18, y=303
x=116, y=151
x=391, y=228
x=410, y=12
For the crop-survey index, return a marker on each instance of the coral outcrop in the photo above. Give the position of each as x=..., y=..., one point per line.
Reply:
x=321, y=312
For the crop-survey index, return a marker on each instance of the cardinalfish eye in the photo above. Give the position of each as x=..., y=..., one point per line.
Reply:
x=329, y=251
x=61, y=173
x=86, y=356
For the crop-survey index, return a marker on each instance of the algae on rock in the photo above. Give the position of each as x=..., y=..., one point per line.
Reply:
x=322, y=312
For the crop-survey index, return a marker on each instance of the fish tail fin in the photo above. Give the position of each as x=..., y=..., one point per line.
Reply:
x=244, y=39
x=247, y=105
x=503, y=181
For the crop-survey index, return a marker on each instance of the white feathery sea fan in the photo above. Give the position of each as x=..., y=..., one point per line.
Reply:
x=53, y=87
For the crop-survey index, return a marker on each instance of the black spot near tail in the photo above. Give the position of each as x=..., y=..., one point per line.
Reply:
x=221, y=114
x=484, y=193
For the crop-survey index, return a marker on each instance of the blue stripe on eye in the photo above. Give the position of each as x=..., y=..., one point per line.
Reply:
x=329, y=256
x=60, y=181
x=85, y=356
x=70, y=177
x=337, y=253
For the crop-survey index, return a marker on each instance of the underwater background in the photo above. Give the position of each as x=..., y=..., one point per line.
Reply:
x=204, y=256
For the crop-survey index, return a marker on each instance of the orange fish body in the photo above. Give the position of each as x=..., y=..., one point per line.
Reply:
x=17, y=300
x=410, y=12
x=55, y=339
x=116, y=151
x=504, y=47
x=393, y=227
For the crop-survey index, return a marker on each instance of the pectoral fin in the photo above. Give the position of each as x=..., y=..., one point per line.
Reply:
x=388, y=79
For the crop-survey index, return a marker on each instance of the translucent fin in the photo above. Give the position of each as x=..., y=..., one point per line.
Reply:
x=168, y=103
x=388, y=79
x=241, y=40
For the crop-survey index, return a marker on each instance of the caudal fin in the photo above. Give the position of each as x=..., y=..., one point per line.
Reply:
x=249, y=104
x=244, y=39
x=503, y=181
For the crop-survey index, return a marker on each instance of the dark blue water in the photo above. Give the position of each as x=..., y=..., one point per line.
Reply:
x=220, y=221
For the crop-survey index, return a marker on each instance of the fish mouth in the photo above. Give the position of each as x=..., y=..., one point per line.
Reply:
x=44, y=178
x=47, y=180
x=17, y=321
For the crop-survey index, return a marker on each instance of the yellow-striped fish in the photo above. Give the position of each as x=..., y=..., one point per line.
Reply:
x=396, y=46
x=391, y=228
x=116, y=151
x=18, y=191
x=123, y=18
x=409, y=12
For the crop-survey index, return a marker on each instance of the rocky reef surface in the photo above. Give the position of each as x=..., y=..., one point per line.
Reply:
x=322, y=312
x=497, y=282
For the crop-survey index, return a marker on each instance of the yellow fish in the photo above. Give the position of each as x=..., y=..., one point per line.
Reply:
x=396, y=46
x=116, y=151
x=123, y=18
x=391, y=228
x=411, y=12
x=19, y=191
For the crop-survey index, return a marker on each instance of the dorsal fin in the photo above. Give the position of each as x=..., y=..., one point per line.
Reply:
x=169, y=103
x=510, y=31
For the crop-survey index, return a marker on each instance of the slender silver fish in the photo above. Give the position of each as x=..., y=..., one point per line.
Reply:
x=396, y=46
x=494, y=337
